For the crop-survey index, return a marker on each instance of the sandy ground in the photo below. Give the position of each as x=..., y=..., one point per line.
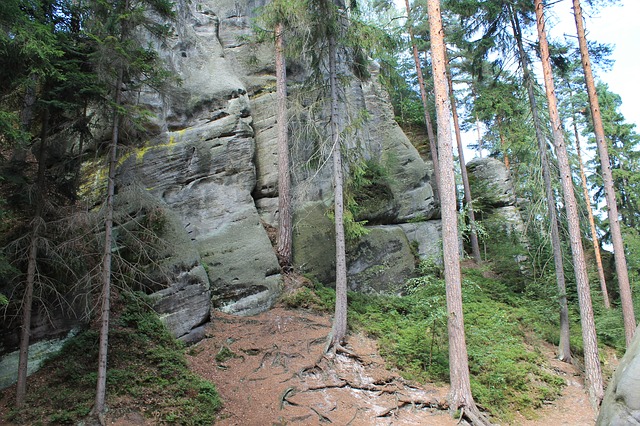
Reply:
x=279, y=376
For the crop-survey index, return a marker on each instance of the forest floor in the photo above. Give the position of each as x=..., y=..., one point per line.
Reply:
x=271, y=369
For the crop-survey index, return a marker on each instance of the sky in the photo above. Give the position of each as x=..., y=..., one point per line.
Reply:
x=618, y=26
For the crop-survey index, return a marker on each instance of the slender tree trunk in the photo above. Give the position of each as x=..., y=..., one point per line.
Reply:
x=27, y=303
x=460, y=396
x=340, y=318
x=591, y=360
x=423, y=94
x=503, y=144
x=592, y=224
x=478, y=134
x=607, y=176
x=564, y=347
x=105, y=311
x=284, y=179
x=473, y=235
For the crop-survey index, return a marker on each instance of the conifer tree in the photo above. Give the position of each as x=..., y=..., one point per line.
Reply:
x=564, y=349
x=460, y=396
x=114, y=25
x=605, y=162
x=593, y=371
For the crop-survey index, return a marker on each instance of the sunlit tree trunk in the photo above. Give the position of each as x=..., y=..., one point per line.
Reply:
x=593, y=373
x=460, y=396
x=592, y=224
x=284, y=179
x=423, y=94
x=340, y=317
x=607, y=176
x=473, y=235
x=564, y=347
x=503, y=144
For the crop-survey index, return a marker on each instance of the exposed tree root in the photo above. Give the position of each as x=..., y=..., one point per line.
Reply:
x=323, y=418
x=473, y=416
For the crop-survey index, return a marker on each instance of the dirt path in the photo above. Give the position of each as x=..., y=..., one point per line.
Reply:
x=572, y=408
x=270, y=370
x=275, y=374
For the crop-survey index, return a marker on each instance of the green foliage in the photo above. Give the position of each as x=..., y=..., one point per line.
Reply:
x=225, y=354
x=145, y=363
x=319, y=298
x=507, y=374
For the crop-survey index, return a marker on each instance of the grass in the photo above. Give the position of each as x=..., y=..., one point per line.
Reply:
x=147, y=370
x=507, y=374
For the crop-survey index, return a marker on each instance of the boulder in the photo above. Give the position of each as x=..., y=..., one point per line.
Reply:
x=621, y=404
x=491, y=182
x=381, y=261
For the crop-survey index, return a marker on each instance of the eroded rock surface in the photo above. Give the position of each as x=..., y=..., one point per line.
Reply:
x=621, y=404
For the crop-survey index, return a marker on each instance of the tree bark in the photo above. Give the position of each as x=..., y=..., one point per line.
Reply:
x=503, y=144
x=284, y=180
x=339, y=330
x=564, y=347
x=460, y=396
x=27, y=303
x=592, y=224
x=591, y=360
x=607, y=176
x=105, y=311
x=473, y=235
x=423, y=95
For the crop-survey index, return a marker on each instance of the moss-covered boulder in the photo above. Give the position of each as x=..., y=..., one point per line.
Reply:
x=381, y=261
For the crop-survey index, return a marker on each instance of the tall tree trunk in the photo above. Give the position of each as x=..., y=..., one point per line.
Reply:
x=473, y=236
x=564, y=347
x=460, y=396
x=591, y=360
x=607, y=176
x=105, y=310
x=423, y=95
x=503, y=144
x=27, y=303
x=592, y=224
x=340, y=317
x=284, y=179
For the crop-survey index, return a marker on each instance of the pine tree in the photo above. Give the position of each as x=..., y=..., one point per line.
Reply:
x=564, y=349
x=460, y=396
x=591, y=359
x=114, y=24
x=612, y=208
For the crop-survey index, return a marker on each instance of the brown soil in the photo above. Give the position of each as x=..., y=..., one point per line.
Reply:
x=279, y=375
x=572, y=408
x=271, y=369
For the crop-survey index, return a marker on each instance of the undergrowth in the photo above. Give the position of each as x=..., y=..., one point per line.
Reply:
x=147, y=370
x=507, y=374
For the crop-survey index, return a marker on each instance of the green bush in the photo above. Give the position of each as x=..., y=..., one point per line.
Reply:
x=507, y=375
x=145, y=363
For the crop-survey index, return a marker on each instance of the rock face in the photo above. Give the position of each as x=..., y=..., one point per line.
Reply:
x=621, y=404
x=491, y=185
x=209, y=166
x=214, y=166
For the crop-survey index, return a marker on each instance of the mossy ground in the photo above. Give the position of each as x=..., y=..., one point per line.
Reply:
x=509, y=372
x=147, y=372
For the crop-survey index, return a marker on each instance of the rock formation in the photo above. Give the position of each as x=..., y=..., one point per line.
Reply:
x=621, y=404
x=208, y=164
